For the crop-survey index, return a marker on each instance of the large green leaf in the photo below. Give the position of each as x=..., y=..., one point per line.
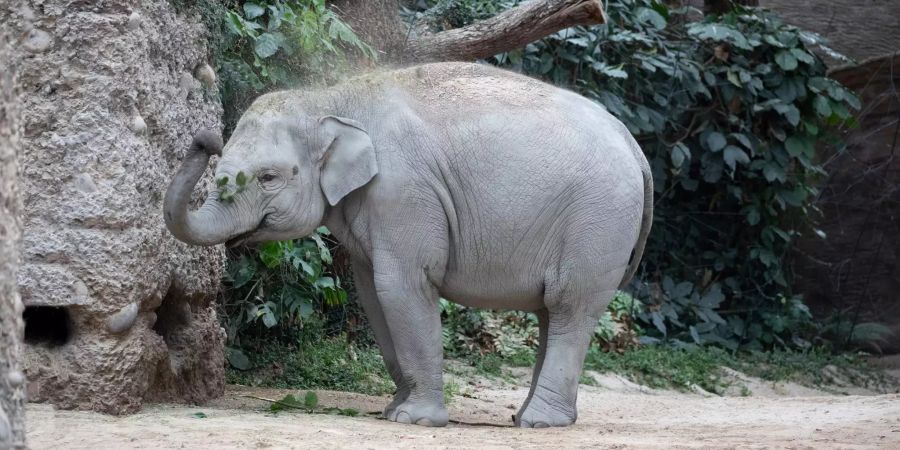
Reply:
x=734, y=155
x=716, y=141
x=267, y=44
x=786, y=60
x=652, y=17
x=252, y=10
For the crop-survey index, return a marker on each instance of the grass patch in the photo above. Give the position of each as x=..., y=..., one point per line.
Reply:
x=331, y=364
x=668, y=367
x=664, y=367
x=334, y=364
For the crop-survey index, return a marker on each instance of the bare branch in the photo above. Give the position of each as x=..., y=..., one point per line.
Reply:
x=506, y=31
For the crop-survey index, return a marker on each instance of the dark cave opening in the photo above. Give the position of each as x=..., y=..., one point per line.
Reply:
x=48, y=325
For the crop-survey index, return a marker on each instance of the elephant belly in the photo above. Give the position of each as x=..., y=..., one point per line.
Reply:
x=493, y=289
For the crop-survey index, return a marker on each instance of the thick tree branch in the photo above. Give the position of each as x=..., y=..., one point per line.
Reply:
x=506, y=31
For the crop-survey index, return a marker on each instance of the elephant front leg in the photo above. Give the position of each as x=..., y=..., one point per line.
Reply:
x=368, y=300
x=410, y=306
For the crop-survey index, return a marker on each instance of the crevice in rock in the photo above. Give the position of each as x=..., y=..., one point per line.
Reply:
x=47, y=325
x=172, y=316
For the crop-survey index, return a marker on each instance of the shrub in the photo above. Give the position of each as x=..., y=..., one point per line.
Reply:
x=276, y=291
x=271, y=292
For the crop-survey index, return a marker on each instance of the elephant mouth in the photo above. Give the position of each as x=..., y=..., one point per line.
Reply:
x=242, y=238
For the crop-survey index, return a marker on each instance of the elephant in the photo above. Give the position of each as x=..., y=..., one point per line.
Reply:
x=456, y=180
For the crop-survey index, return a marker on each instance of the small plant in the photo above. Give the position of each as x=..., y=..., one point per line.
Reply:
x=275, y=290
x=451, y=389
x=616, y=330
x=309, y=405
x=228, y=191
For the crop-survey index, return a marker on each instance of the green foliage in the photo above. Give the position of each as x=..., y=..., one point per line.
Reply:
x=310, y=405
x=330, y=363
x=273, y=291
x=487, y=337
x=489, y=340
x=276, y=44
x=730, y=111
x=282, y=295
x=844, y=331
x=616, y=330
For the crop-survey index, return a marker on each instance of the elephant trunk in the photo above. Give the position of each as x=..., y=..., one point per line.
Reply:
x=206, y=226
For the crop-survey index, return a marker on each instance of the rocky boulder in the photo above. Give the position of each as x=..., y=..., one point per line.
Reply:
x=117, y=312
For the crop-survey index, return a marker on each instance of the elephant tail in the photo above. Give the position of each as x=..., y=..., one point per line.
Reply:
x=646, y=218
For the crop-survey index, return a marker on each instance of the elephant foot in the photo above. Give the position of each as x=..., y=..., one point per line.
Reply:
x=429, y=414
x=399, y=397
x=541, y=414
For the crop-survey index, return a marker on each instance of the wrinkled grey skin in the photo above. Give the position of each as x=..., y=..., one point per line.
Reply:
x=456, y=180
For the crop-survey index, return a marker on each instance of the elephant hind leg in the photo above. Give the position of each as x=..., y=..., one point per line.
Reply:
x=553, y=399
x=574, y=305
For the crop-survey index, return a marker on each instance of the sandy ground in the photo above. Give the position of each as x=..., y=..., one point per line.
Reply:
x=614, y=414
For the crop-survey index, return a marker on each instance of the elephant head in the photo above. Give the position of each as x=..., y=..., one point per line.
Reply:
x=276, y=178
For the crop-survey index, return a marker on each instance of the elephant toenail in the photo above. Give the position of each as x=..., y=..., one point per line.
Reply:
x=403, y=417
x=541, y=425
x=426, y=422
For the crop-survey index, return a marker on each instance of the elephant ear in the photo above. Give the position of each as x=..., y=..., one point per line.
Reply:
x=348, y=160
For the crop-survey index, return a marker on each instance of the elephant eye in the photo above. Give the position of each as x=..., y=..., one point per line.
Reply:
x=267, y=177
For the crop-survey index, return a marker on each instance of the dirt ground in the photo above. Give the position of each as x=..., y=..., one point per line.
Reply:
x=613, y=414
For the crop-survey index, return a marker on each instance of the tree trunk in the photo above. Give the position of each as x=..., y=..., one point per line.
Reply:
x=377, y=22
x=12, y=389
x=723, y=6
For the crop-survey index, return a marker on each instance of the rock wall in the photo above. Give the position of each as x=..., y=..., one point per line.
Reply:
x=860, y=29
x=855, y=272
x=12, y=388
x=117, y=311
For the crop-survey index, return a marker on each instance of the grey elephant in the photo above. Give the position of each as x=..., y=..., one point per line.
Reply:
x=454, y=180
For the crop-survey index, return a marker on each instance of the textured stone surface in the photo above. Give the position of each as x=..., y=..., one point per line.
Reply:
x=856, y=270
x=860, y=29
x=12, y=392
x=107, y=115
